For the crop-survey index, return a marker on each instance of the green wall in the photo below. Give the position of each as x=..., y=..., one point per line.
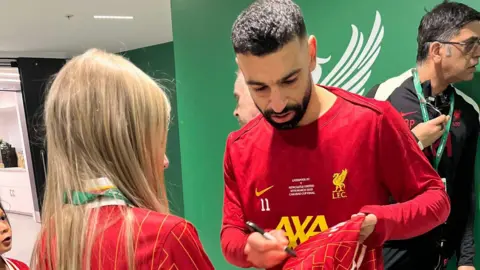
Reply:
x=205, y=67
x=158, y=62
x=205, y=73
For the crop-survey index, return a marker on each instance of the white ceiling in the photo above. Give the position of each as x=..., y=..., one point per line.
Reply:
x=39, y=28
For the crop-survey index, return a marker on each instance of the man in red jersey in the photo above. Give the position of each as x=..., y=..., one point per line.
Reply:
x=317, y=154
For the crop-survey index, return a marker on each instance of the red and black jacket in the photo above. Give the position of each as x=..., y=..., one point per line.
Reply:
x=457, y=166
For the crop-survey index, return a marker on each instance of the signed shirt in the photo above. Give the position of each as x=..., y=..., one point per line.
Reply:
x=336, y=248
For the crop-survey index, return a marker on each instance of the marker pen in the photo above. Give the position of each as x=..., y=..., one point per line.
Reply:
x=253, y=227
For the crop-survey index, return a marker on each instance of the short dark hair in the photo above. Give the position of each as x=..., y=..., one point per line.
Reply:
x=443, y=22
x=266, y=26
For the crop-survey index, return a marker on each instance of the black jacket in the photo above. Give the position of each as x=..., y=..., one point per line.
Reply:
x=457, y=166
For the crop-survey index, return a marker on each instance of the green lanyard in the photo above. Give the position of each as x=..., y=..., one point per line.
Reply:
x=426, y=118
x=81, y=198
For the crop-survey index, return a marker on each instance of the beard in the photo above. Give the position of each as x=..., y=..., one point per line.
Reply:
x=298, y=110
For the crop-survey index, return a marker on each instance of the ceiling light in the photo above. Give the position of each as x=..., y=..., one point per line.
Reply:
x=106, y=17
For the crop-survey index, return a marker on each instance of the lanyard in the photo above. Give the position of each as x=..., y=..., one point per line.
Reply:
x=426, y=118
x=102, y=188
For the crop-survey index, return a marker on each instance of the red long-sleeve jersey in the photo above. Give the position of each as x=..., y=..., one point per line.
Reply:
x=160, y=242
x=15, y=265
x=303, y=180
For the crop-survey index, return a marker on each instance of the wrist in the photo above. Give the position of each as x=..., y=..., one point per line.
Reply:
x=415, y=136
x=379, y=234
x=246, y=251
x=420, y=144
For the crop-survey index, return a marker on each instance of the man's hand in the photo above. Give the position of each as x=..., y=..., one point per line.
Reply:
x=368, y=225
x=264, y=253
x=429, y=132
x=466, y=268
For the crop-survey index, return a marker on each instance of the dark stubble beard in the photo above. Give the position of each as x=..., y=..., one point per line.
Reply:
x=298, y=109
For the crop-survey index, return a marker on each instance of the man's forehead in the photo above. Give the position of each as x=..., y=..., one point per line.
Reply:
x=270, y=75
x=240, y=79
x=274, y=65
x=470, y=30
x=240, y=85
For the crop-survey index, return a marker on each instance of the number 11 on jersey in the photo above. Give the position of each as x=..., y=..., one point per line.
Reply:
x=265, y=205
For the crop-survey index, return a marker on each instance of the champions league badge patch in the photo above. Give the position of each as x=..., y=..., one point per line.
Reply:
x=335, y=248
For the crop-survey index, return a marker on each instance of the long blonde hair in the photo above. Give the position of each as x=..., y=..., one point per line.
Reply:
x=104, y=117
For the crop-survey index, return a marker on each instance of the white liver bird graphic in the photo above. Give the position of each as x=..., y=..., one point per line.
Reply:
x=354, y=68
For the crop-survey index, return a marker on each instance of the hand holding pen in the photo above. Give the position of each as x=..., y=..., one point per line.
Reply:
x=266, y=250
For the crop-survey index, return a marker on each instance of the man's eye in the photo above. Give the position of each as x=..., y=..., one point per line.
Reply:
x=471, y=43
x=260, y=88
x=290, y=81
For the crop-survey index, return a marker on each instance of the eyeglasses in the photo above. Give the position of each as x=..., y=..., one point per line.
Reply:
x=469, y=45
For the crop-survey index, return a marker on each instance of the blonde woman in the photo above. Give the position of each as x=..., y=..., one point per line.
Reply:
x=105, y=202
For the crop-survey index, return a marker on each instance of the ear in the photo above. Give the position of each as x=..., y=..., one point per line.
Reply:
x=312, y=52
x=236, y=60
x=436, y=52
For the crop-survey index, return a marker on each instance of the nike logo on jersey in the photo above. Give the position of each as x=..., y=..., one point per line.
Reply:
x=407, y=113
x=261, y=192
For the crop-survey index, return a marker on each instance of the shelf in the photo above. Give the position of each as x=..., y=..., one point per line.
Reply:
x=9, y=108
x=13, y=170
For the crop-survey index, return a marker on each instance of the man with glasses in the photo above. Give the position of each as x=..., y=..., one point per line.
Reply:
x=445, y=123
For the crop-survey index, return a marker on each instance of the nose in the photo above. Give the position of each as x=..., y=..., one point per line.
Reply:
x=476, y=52
x=476, y=58
x=4, y=227
x=166, y=163
x=277, y=101
x=235, y=112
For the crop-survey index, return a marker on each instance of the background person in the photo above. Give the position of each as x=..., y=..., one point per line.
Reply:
x=6, y=240
x=448, y=52
x=245, y=109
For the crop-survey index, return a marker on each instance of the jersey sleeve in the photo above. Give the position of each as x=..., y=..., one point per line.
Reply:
x=183, y=250
x=411, y=180
x=233, y=236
